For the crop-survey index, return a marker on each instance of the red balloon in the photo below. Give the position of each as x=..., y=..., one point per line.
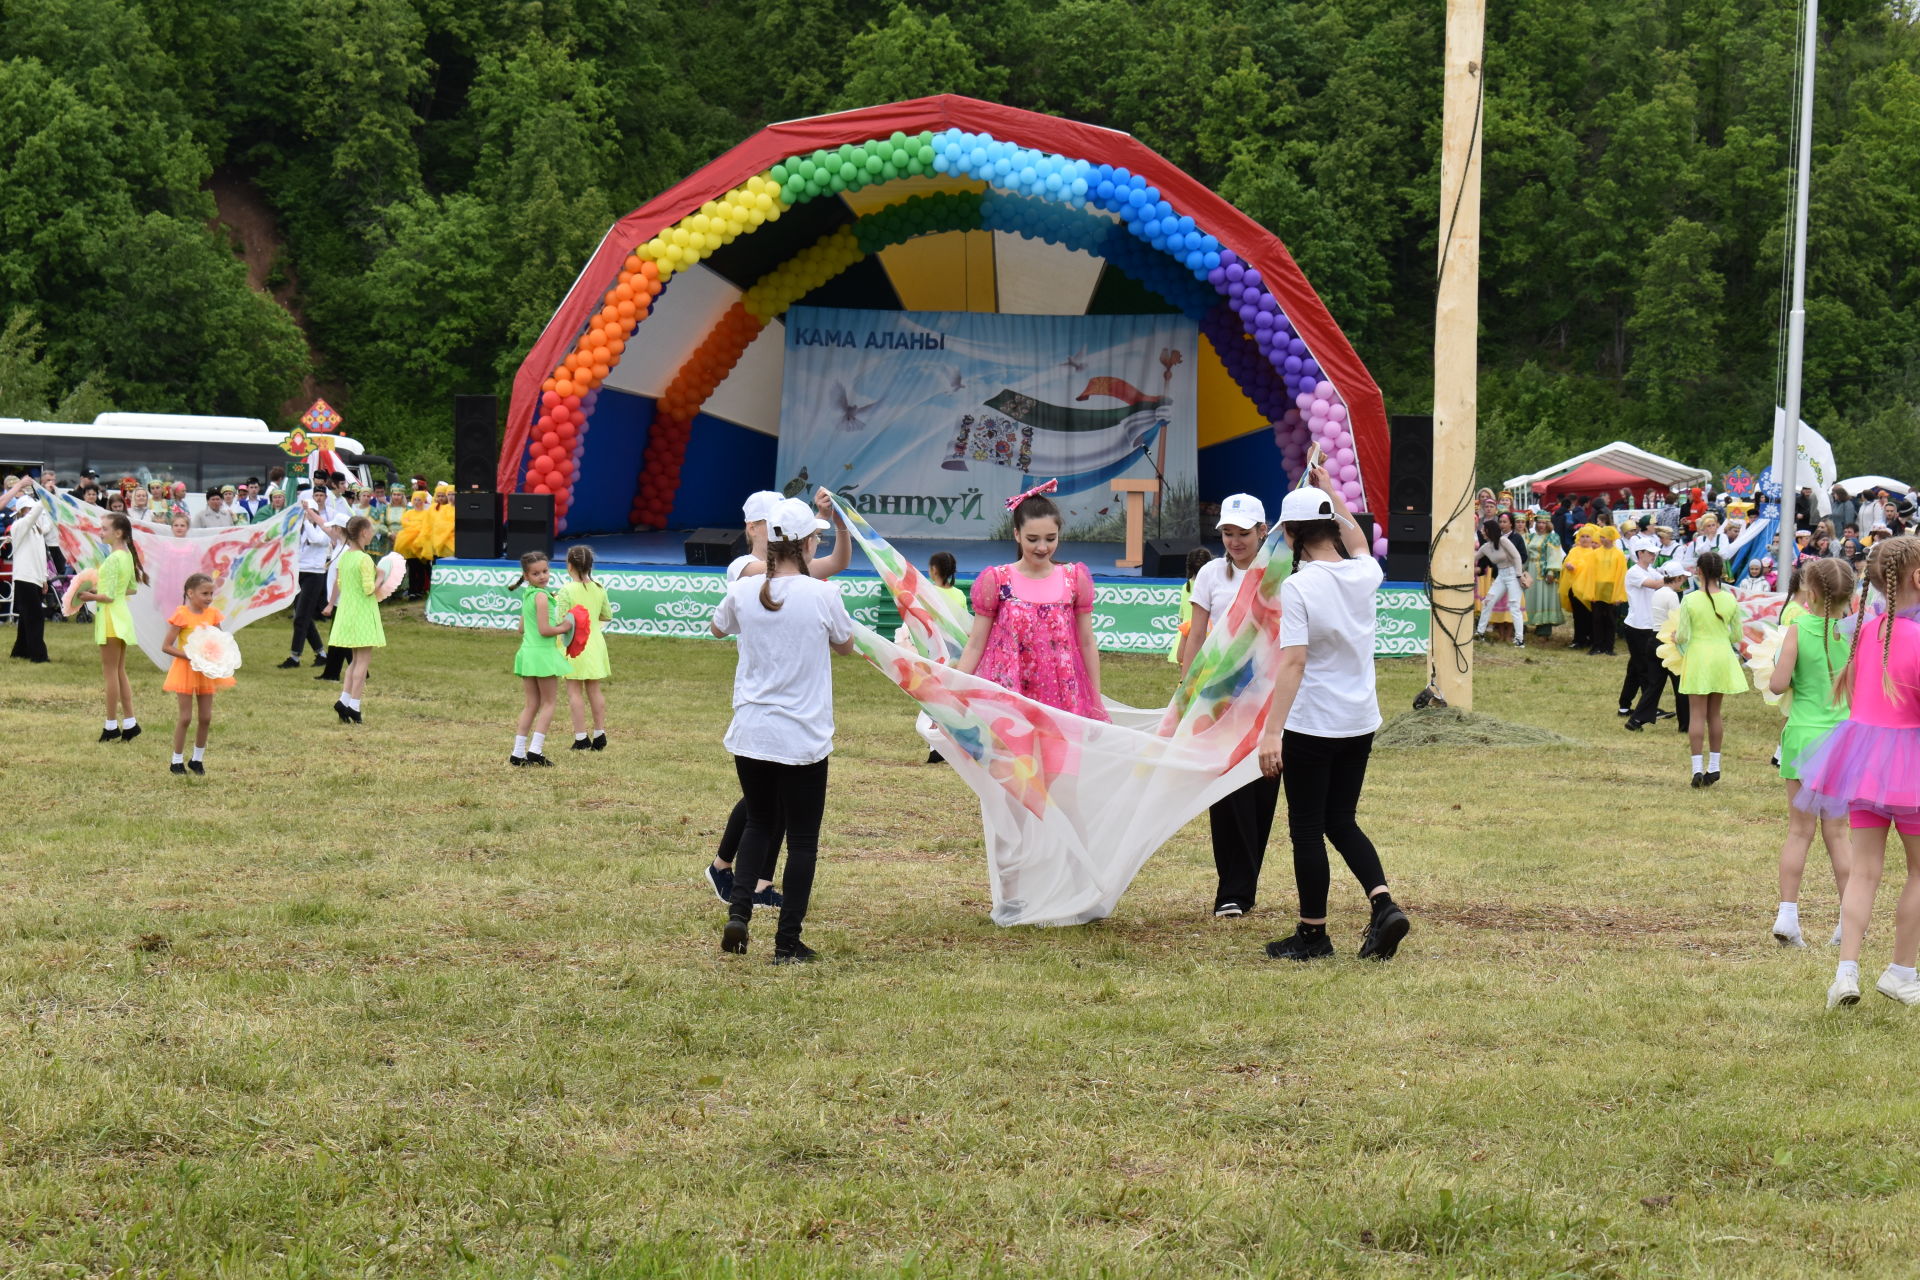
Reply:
x=541, y=488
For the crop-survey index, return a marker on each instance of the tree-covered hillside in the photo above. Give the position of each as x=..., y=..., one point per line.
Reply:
x=437, y=171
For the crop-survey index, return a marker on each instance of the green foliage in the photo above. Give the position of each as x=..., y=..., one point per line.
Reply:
x=30, y=387
x=439, y=169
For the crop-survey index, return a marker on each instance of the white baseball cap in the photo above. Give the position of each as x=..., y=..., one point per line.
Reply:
x=1651, y=545
x=1306, y=504
x=791, y=520
x=759, y=506
x=1243, y=511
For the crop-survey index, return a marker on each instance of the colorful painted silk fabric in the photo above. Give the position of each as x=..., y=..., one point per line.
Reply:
x=1073, y=807
x=252, y=566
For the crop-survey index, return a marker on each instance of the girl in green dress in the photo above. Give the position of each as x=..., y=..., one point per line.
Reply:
x=540, y=660
x=590, y=667
x=356, y=616
x=1812, y=656
x=119, y=575
x=1708, y=635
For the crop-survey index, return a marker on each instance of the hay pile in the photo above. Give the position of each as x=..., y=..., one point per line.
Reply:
x=1448, y=727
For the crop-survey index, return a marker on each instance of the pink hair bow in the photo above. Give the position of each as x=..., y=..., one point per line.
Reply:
x=1018, y=498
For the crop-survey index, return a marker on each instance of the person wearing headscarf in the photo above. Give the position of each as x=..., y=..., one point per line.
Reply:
x=415, y=542
x=1607, y=587
x=1546, y=556
x=441, y=521
x=1576, y=594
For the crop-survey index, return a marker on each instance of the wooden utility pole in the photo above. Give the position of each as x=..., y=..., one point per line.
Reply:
x=1456, y=324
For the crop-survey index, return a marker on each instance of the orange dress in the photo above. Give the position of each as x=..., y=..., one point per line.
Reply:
x=181, y=677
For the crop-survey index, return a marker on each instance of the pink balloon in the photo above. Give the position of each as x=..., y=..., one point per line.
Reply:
x=1346, y=472
x=1318, y=408
x=1304, y=399
x=1324, y=390
x=1379, y=546
x=1337, y=411
x=1343, y=454
x=1350, y=489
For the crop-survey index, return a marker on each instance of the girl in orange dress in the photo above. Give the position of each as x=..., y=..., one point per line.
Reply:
x=193, y=689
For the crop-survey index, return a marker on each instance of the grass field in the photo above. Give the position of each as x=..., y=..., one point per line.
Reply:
x=364, y=1001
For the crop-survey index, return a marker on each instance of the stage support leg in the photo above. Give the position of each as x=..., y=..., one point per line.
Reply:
x=1135, y=494
x=1455, y=359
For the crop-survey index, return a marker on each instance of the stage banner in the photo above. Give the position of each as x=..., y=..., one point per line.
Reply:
x=928, y=421
x=1128, y=617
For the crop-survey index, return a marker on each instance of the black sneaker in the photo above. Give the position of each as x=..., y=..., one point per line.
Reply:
x=934, y=757
x=1699, y=780
x=795, y=952
x=769, y=897
x=517, y=761
x=721, y=878
x=1712, y=776
x=1632, y=725
x=1623, y=711
x=195, y=766
x=534, y=757
x=1663, y=715
x=580, y=744
x=109, y=735
x=733, y=938
x=319, y=659
x=1300, y=946
x=1384, y=931
x=128, y=735
x=288, y=665
x=1229, y=911
x=599, y=742
x=178, y=768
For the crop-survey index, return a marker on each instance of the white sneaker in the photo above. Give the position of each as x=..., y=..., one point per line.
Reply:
x=1907, y=993
x=1845, y=992
x=1788, y=935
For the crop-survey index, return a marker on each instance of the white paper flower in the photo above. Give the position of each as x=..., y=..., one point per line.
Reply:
x=212, y=652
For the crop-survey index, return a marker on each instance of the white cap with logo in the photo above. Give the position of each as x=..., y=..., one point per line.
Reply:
x=792, y=520
x=1243, y=511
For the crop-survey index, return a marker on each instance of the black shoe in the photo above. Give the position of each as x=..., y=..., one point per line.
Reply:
x=288, y=665
x=1699, y=780
x=534, y=757
x=1301, y=946
x=1229, y=911
x=599, y=742
x=795, y=952
x=934, y=757
x=319, y=659
x=733, y=938
x=1712, y=776
x=1624, y=711
x=109, y=735
x=516, y=761
x=580, y=744
x=721, y=879
x=196, y=767
x=357, y=717
x=177, y=768
x=1384, y=931
x=324, y=676
x=1663, y=715
x=344, y=712
x=1632, y=725
x=128, y=735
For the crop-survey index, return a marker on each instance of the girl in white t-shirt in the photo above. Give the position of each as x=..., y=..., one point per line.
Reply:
x=1240, y=822
x=789, y=624
x=1320, y=727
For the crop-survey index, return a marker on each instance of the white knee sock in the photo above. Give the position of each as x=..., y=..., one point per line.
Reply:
x=1697, y=766
x=200, y=754
x=520, y=746
x=1713, y=762
x=538, y=743
x=1789, y=914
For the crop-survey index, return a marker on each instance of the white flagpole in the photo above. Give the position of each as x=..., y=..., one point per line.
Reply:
x=1797, y=317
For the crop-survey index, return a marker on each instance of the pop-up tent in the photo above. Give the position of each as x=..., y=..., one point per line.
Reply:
x=1589, y=479
x=1642, y=468
x=652, y=399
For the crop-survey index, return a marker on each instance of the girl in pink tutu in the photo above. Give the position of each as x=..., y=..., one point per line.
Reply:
x=1869, y=769
x=1033, y=619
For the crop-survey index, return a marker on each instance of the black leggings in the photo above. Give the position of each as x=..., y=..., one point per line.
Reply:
x=1241, y=821
x=1323, y=777
x=737, y=827
x=773, y=793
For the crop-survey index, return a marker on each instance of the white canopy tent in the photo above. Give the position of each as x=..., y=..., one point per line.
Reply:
x=1622, y=457
x=1860, y=484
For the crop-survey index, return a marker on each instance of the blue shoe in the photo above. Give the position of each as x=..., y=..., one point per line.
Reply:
x=721, y=881
x=768, y=897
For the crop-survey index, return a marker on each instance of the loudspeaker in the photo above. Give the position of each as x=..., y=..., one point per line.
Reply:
x=475, y=441
x=529, y=525
x=1411, y=486
x=1365, y=520
x=476, y=526
x=717, y=547
x=1409, y=546
x=1166, y=558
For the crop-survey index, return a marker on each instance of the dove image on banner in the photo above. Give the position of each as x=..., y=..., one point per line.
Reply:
x=925, y=422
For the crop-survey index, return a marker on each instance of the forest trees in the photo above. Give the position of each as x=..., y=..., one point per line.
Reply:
x=440, y=170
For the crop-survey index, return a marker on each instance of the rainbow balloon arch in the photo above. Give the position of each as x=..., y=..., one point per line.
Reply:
x=995, y=169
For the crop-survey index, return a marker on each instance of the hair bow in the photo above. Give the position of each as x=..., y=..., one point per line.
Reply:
x=1018, y=498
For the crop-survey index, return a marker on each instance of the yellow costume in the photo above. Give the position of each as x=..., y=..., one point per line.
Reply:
x=1607, y=570
x=415, y=539
x=1576, y=574
x=441, y=521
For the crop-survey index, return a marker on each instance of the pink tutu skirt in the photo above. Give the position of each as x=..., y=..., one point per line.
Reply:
x=1862, y=766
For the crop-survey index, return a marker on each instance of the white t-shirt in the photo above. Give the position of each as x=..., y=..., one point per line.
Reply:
x=738, y=567
x=314, y=548
x=1329, y=606
x=1665, y=601
x=1641, y=584
x=1214, y=591
x=783, y=683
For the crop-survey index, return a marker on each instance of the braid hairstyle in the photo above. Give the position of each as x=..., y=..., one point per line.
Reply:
x=527, y=562
x=1829, y=583
x=779, y=551
x=1301, y=534
x=580, y=556
x=1890, y=560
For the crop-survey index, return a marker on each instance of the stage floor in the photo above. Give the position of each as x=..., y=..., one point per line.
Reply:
x=634, y=550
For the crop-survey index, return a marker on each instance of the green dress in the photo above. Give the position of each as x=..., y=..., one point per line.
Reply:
x=113, y=620
x=1822, y=651
x=1545, y=558
x=356, y=619
x=1708, y=631
x=592, y=663
x=539, y=655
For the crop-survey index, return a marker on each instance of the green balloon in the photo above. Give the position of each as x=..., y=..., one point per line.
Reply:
x=925, y=153
x=837, y=183
x=805, y=170
x=873, y=163
x=888, y=173
x=915, y=168
x=779, y=174
x=847, y=171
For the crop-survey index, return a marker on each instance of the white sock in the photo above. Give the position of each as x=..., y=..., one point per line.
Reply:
x=579, y=737
x=128, y=722
x=520, y=745
x=353, y=704
x=1697, y=766
x=113, y=724
x=1789, y=915
x=599, y=733
x=1847, y=969
x=200, y=754
x=1836, y=936
x=1713, y=762
x=1904, y=972
x=537, y=743
x=178, y=758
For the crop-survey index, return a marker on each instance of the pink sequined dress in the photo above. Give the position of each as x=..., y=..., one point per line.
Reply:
x=1871, y=761
x=1033, y=647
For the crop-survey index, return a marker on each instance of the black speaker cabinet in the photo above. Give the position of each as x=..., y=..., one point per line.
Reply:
x=716, y=547
x=476, y=526
x=1409, y=546
x=1365, y=520
x=529, y=525
x=1166, y=557
x=1411, y=485
x=475, y=441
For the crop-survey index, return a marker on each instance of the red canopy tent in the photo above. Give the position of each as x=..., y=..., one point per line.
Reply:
x=1592, y=478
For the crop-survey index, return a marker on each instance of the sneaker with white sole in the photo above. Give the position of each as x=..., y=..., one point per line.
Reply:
x=1844, y=993
x=720, y=880
x=1229, y=911
x=1907, y=993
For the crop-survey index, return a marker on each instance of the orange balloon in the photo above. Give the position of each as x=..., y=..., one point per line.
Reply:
x=564, y=387
x=649, y=269
x=600, y=372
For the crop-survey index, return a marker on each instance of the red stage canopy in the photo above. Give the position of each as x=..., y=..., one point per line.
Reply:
x=1592, y=478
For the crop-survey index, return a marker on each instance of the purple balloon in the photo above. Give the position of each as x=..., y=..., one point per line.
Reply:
x=1235, y=272
x=1303, y=400
x=1299, y=348
x=1253, y=278
x=1217, y=277
x=1263, y=321
x=1293, y=361
x=1312, y=366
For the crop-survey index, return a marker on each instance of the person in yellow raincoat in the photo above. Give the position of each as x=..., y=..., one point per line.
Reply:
x=415, y=542
x=441, y=521
x=1607, y=586
x=1574, y=591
